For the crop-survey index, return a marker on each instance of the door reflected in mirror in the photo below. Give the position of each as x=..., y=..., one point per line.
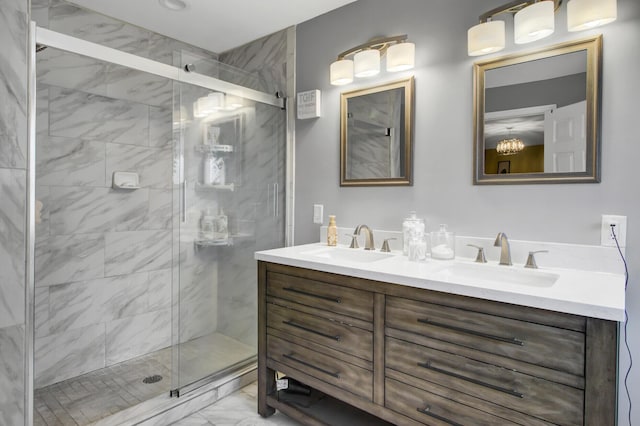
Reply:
x=375, y=142
x=539, y=113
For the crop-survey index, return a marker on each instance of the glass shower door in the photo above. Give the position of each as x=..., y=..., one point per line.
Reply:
x=229, y=180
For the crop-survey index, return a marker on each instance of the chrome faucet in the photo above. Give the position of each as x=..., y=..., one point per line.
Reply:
x=505, y=250
x=368, y=242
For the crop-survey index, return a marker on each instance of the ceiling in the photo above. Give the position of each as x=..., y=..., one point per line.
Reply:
x=216, y=26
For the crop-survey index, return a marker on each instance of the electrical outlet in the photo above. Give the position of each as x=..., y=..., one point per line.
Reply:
x=606, y=237
x=318, y=213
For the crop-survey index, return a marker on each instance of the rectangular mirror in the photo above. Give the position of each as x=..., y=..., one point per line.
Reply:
x=376, y=135
x=536, y=116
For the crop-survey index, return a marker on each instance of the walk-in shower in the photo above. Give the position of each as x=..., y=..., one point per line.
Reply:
x=157, y=183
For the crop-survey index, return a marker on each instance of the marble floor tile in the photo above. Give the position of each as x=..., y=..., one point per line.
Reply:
x=237, y=409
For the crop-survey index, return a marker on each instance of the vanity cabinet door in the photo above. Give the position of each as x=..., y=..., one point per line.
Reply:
x=492, y=383
x=534, y=343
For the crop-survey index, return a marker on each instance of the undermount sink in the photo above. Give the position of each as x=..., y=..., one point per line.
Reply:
x=347, y=254
x=498, y=274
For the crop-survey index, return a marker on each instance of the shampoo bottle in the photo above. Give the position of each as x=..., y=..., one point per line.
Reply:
x=221, y=226
x=208, y=177
x=332, y=232
x=207, y=225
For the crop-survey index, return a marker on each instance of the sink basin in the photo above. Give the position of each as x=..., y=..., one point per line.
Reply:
x=497, y=274
x=346, y=254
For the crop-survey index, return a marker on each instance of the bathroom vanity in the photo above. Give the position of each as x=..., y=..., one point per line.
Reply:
x=419, y=344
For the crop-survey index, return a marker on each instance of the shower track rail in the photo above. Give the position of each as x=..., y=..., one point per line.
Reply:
x=97, y=51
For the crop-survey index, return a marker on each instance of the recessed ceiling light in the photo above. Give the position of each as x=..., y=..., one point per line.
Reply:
x=174, y=5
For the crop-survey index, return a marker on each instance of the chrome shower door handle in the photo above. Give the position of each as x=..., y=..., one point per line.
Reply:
x=276, y=206
x=184, y=201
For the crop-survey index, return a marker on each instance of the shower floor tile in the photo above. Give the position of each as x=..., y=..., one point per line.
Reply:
x=85, y=399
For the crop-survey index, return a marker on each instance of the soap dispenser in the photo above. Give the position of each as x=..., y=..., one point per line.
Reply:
x=332, y=232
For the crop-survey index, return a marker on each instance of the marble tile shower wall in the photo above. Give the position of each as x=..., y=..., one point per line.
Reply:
x=103, y=256
x=13, y=175
x=265, y=156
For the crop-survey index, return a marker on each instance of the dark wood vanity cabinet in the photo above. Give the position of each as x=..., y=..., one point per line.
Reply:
x=411, y=356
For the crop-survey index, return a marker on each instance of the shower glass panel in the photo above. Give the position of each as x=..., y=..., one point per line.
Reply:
x=103, y=301
x=229, y=154
x=137, y=292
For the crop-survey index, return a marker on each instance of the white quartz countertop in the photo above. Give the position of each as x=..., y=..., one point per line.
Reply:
x=587, y=293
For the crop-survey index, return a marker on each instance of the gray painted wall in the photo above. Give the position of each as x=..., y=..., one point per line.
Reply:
x=443, y=191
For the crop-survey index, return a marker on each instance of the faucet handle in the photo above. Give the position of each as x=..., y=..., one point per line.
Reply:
x=354, y=240
x=480, y=258
x=531, y=260
x=385, y=245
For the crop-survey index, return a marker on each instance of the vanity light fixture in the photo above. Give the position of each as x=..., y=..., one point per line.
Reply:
x=534, y=20
x=364, y=60
x=509, y=146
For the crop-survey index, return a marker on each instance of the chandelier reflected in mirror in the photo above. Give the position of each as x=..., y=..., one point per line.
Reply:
x=510, y=145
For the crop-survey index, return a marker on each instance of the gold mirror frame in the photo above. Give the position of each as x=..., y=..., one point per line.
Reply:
x=593, y=48
x=406, y=179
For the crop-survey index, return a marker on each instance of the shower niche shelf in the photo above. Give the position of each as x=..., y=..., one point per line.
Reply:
x=214, y=149
x=230, y=187
x=203, y=242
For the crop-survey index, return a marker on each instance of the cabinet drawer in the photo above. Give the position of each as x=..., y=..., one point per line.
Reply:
x=535, y=343
x=508, y=388
x=333, y=298
x=334, y=334
x=431, y=409
x=345, y=375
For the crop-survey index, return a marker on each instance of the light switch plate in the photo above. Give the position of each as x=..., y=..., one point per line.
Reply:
x=606, y=238
x=318, y=213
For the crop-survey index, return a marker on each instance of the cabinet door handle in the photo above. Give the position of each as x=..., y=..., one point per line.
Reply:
x=317, y=296
x=427, y=410
x=306, y=364
x=311, y=330
x=429, y=366
x=511, y=340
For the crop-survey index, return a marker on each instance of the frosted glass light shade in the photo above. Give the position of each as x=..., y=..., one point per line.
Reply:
x=366, y=63
x=401, y=57
x=485, y=38
x=585, y=14
x=341, y=72
x=534, y=22
x=233, y=102
x=208, y=104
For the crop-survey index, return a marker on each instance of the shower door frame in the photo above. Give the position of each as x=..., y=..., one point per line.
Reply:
x=63, y=42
